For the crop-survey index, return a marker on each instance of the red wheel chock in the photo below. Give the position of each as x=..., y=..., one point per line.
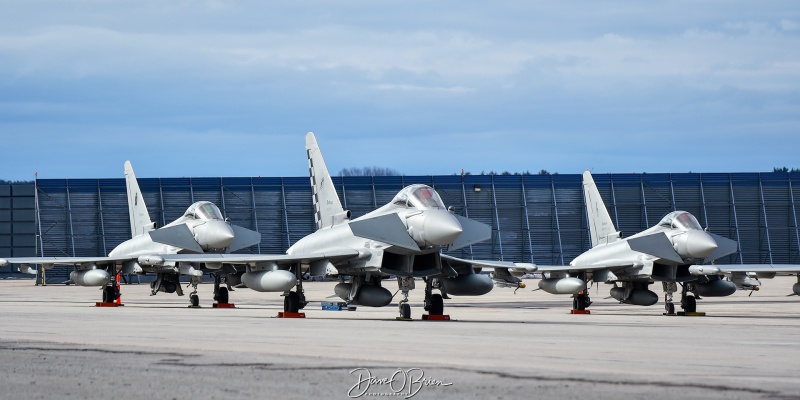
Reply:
x=435, y=317
x=283, y=314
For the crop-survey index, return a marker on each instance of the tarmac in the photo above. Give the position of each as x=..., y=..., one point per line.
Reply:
x=54, y=343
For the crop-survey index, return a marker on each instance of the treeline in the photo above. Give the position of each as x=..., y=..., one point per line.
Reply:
x=5, y=182
x=784, y=169
x=541, y=172
x=369, y=171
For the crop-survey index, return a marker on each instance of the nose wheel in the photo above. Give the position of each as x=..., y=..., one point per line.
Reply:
x=194, y=299
x=669, y=289
x=406, y=284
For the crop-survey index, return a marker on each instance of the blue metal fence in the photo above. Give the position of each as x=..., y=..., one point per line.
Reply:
x=535, y=218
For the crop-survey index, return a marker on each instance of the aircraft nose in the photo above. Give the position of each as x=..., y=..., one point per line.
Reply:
x=216, y=235
x=441, y=227
x=700, y=244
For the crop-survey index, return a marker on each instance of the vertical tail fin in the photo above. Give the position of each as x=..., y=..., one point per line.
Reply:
x=137, y=210
x=601, y=227
x=326, y=201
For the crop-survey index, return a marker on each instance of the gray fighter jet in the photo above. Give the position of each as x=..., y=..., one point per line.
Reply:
x=404, y=238
x=201, y=229
x=673, y=252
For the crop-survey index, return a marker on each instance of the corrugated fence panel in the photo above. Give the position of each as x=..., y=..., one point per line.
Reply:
x=545, y=223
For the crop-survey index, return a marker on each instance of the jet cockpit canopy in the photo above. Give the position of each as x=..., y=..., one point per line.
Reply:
x=203, y=210
x=418, y=196
x=680, y=220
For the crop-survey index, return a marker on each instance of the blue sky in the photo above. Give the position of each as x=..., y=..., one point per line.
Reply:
x=229, y=88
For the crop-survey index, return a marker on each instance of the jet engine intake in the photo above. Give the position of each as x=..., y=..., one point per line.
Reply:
x=278, y=280
x=468, y=285
x=639, y=297
x=715, y=288
x=562, y=285
x=90, y=277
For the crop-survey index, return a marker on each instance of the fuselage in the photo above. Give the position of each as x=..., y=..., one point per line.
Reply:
x=684, y=233
x=422, y=213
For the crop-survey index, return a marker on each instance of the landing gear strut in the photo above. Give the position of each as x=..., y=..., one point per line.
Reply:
x=406, y=283
x=669, y=289
x=194, y=299
x=295, y=300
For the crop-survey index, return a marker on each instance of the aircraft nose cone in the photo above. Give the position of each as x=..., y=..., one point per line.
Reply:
x=217, y=235
x=441, y=228
x=700, y=244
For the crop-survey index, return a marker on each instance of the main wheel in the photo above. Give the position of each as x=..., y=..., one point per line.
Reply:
x=405, y=311
x=110, y=294
x=291, y=303
x=195, y=300
x=580, y=302
x=437, y=305
x=222, y=295
x=689, y=304
x=669, y=308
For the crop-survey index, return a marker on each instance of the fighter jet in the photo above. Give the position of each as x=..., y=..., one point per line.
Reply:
x=403, y=238
x=201, y=229
x=673, y=252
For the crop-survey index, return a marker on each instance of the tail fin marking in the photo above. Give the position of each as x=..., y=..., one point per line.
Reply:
x=326, y=201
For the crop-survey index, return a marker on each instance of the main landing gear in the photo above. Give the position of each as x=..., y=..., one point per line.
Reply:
x=221, y=293
x=111, y=292
x=688, y=301
x=580, y=301
x=434, y=303
x=294, y=301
